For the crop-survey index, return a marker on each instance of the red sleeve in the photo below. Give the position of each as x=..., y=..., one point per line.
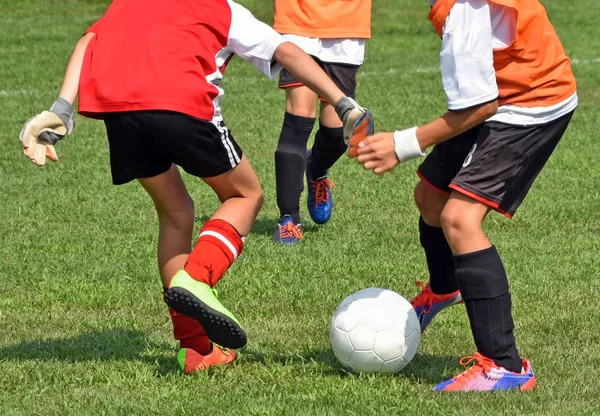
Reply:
x=95, y=27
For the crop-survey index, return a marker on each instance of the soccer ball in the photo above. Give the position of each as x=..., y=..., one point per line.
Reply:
x=375, y=331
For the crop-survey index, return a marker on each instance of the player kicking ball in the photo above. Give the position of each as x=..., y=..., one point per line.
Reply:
x=152, y=72
x=334, y=33
x=511, y=94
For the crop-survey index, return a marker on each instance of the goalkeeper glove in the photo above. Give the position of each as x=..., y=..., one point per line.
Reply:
x=358, y=123
x=40, y=133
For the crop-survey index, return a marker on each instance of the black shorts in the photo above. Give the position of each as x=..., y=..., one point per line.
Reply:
x=493, y=163
x=342, y=75
x=146, y=143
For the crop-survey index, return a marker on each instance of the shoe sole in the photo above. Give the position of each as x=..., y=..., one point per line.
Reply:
x=219, y=328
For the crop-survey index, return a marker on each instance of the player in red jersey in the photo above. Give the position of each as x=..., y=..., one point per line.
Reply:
x=151, y=71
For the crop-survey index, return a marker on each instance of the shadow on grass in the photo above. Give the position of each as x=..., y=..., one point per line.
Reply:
x=323, y=361
x=113, y=345
x=426, y=368
x=266, y=226
x=130, y=345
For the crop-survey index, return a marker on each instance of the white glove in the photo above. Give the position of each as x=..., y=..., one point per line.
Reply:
x=406, y=145
x=41, y=132
x=358, y=123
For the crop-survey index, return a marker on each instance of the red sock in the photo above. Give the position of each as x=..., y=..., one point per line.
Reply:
x=217, y=248
x=189, y=333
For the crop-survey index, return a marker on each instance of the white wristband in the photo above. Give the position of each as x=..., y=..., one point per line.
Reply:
x=406, y=145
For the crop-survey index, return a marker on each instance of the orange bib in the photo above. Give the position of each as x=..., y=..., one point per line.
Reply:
x=533, y=71
x=325, y=19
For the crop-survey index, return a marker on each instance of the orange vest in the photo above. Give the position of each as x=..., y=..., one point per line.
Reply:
x=533, y=71
x=325, y=19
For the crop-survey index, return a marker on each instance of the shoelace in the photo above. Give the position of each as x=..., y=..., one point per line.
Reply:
x=290, y=230
x=225, y=351
x=425, y=298
x=482, y=364
x=321, y=186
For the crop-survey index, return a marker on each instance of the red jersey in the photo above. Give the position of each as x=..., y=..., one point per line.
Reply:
x=169, y=55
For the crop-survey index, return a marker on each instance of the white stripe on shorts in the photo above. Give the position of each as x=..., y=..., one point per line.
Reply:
x=234, y=158
x=222, y=239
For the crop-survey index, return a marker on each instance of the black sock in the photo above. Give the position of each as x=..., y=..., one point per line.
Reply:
x=290, y=163
x=442, y=279
x=329, y=146
x=484, y=287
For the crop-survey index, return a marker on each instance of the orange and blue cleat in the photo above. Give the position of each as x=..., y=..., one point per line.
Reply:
x=427, y=304
x=319, y=201
x=287, y=232
x=485, y=375
x=190, y=361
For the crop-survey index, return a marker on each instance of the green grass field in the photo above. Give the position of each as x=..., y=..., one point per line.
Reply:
x=83, y=329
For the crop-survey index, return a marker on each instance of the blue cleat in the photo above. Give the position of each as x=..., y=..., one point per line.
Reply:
x=319, y=201
x=287, y=232
x=427, y=304
x=485, y=375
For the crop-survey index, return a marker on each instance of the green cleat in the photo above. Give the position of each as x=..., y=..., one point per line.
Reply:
x=199, y=301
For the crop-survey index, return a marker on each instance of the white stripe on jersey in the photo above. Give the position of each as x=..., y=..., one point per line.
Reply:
x=221, y=58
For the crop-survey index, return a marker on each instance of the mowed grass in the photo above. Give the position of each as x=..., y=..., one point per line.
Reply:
x=83, y=329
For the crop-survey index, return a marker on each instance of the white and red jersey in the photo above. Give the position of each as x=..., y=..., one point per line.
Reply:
x=170, y=55
x=503, y=49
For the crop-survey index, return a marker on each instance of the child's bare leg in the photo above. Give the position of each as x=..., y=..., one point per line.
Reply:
x=241, y=194
x=482, y=280
x=219, y=244
x=461, y=220
x=175, y=210
x=430, y=203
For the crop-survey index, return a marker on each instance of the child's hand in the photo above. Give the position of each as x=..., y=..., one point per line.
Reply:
x=384, y=151
x=41, y=132
x=377, y=153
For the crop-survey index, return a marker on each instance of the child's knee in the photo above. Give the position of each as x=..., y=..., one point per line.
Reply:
x=254, y=195
x=457, y=224
x=429, y=203
x=179, y=216
x=259, y=197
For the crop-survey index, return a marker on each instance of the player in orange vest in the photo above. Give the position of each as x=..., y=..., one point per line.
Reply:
x=334, y=33
x=511, y=94
x=158, y=93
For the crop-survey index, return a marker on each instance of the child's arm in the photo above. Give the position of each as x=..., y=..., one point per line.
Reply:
x=41, y=132
x=454, y=123
x=70, y=85
x=307, y=71
x=268, y=51
x=469, y=79
x=384, y=151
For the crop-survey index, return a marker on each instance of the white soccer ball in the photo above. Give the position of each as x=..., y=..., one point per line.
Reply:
x=375, y=331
